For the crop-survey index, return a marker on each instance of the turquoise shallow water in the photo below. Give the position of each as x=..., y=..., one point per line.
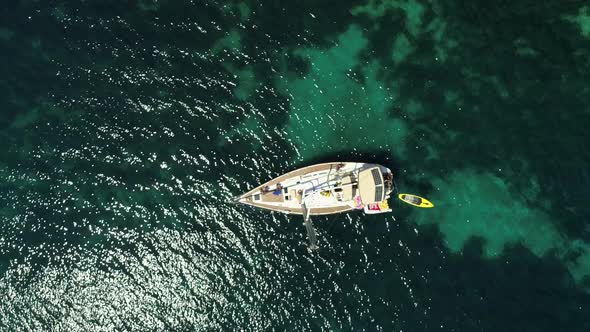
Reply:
x=127, y=125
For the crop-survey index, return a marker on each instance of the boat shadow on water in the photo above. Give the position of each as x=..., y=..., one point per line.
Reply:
x=382, y=157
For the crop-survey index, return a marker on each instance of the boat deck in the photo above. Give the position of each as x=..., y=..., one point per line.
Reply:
x=315, y=183
x=270, y=197
x=268, y=200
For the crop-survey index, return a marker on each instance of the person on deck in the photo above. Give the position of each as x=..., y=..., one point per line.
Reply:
x=279, y=190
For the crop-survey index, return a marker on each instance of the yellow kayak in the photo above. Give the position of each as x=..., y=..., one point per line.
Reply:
x=416, y=200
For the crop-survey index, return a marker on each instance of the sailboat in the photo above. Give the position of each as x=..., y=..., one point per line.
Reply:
x=324, y=189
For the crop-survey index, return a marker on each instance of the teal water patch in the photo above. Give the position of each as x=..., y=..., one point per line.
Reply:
x=582, y=20
x=236, y=61
x=524, y=49
x=341, y=104
x=149, y=5
x=413, y=10
x=230, y=43
x=245, y=11
x=443, y=44
x=401, y=49
x=470, y=204
x=247, y=83
x=240, y=9
x=5, y=34
x=578, y=261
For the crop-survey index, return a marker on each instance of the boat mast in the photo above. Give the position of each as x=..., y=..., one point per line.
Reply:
x=313, y=241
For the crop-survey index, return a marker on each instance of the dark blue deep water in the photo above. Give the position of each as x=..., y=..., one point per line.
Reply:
x=126, y=126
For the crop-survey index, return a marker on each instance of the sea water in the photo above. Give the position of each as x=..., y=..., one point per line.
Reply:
x=126, y=127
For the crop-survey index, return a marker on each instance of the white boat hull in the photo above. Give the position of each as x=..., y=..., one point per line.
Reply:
x=325, y=188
